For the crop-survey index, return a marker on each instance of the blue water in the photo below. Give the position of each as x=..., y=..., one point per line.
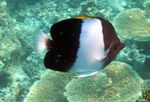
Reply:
x=23, y=77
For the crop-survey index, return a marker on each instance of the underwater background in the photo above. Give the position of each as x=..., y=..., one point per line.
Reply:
x=23, y=77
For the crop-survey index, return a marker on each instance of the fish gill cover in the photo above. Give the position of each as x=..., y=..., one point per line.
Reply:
x=23, y=76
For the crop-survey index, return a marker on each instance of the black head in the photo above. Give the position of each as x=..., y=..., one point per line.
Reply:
x=62, y=53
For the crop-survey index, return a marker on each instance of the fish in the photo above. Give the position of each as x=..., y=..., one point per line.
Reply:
x=82, y=44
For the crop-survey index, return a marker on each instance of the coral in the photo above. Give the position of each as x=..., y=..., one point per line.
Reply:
x=1, y=65
x=21, y=66
x=49, y=88
x=15, y=47
x=131, y=55
x=11, y=93
x=117, y=4
x=147, y=8
x=3, y=13
x=145, y=92
x=14, y=83
x=4, y=79
x=1, y=100
x=8, y=46
x=137, y=55
x=14, y=93
x=119, y=84
x=9, y=42
x=146, y=85
x=132, y=24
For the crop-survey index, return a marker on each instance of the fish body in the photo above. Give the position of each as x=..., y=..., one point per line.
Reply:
x=81, y=44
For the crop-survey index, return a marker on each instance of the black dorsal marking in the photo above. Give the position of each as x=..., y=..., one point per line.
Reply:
x=62, y=53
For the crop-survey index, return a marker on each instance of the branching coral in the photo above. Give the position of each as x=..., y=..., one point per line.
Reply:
x=11, y=93
x=121, y=84
x=132, y=24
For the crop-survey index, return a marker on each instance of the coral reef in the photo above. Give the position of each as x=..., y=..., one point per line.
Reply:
x=9, y=91
x=146, y=85
x=49, y=88
x=21, y=67
x=137, y=57
x=120, y=84
x=13, y=93
x=4, y=79
x=9, y=42
x=132, y=56
x=145, y=92
x=3, y=13
x=132, y=24
x=147, y=8
x=14, y=51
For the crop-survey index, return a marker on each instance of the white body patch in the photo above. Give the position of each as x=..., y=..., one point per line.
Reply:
x=91, y=51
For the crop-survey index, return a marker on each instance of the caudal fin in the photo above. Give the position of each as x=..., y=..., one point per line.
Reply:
x=43, y=42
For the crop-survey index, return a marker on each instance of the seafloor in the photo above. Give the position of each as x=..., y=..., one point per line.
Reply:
x=23, y=77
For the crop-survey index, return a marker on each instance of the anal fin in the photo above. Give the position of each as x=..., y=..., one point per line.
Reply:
x=86, y=74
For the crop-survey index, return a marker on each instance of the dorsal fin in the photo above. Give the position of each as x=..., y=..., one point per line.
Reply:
x=83, y=17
